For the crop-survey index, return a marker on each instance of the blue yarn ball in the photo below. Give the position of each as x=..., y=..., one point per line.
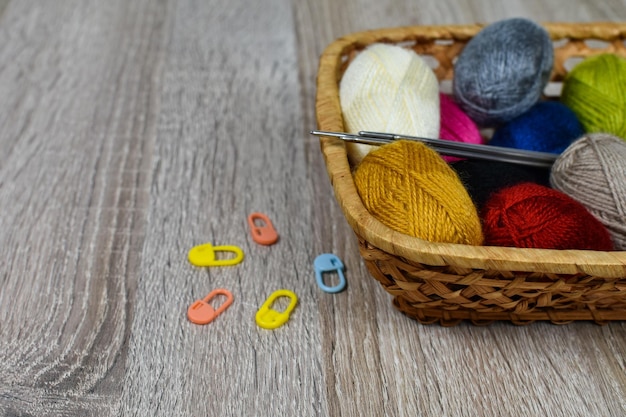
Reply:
x=548, y=126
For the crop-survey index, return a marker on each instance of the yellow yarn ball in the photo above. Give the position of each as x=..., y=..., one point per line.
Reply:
x=387, y=88
x=408, y=187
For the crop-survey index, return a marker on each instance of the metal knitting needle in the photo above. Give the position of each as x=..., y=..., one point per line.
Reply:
x=451, y=148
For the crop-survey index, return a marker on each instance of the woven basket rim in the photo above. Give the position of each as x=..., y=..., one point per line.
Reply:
x=328, y=112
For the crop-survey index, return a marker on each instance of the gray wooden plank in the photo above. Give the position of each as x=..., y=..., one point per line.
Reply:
x=229, y=143
x=78, y=84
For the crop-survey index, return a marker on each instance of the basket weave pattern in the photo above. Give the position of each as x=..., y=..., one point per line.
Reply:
x=448, y=283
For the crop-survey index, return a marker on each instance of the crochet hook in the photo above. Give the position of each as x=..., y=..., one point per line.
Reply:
x=451, y=148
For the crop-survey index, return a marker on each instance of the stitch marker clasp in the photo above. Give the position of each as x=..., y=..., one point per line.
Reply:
x=264, y=234
x=268, y=318
x=200, y=312
x=205, y=255
x=327, y=262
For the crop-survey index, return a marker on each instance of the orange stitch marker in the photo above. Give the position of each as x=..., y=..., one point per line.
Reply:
x=200, y=312
x=264, y=234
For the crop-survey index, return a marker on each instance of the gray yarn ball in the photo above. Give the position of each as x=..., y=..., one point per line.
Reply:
x=503, y=70
x=592, y=171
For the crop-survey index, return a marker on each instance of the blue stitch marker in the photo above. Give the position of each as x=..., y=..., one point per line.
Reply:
x=327, y=262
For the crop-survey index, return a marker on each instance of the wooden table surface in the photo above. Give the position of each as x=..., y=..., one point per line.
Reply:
x=131, y=131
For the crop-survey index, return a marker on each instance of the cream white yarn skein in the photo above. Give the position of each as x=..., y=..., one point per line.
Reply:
x=387, y=88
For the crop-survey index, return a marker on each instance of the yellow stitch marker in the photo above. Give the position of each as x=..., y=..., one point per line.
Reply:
x=204, y=255
x=268, y=318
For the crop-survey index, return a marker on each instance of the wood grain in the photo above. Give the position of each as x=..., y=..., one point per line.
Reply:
x=80, y=87
x=132, y=131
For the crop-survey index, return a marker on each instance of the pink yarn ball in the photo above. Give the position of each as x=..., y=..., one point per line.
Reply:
x=456, y=125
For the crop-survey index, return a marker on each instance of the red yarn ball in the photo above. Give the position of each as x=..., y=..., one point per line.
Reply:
x=529, y=215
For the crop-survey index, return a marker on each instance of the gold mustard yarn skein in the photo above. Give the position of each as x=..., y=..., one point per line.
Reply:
x=408, y=187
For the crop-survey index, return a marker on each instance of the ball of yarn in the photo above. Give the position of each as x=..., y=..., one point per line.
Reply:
x=483, y=178
x=596, y=91
x=533, y=216
x=411, y=189
x=503, y=70
x=593, y=172
x=549, y=126
x=387, y=88
x=456, y=125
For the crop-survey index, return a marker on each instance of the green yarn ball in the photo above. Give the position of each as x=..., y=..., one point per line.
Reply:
x=595, y=90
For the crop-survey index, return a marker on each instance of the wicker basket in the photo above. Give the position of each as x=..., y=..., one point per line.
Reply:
x=448, y=283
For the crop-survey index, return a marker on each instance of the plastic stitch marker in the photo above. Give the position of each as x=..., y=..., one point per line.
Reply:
x=268, y=318
x=200, y=312
x=264, y=234
x=327, y=262
x=204, y=255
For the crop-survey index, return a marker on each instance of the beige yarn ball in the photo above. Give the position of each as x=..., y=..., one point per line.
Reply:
x=387, y=88
x=592, y=171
